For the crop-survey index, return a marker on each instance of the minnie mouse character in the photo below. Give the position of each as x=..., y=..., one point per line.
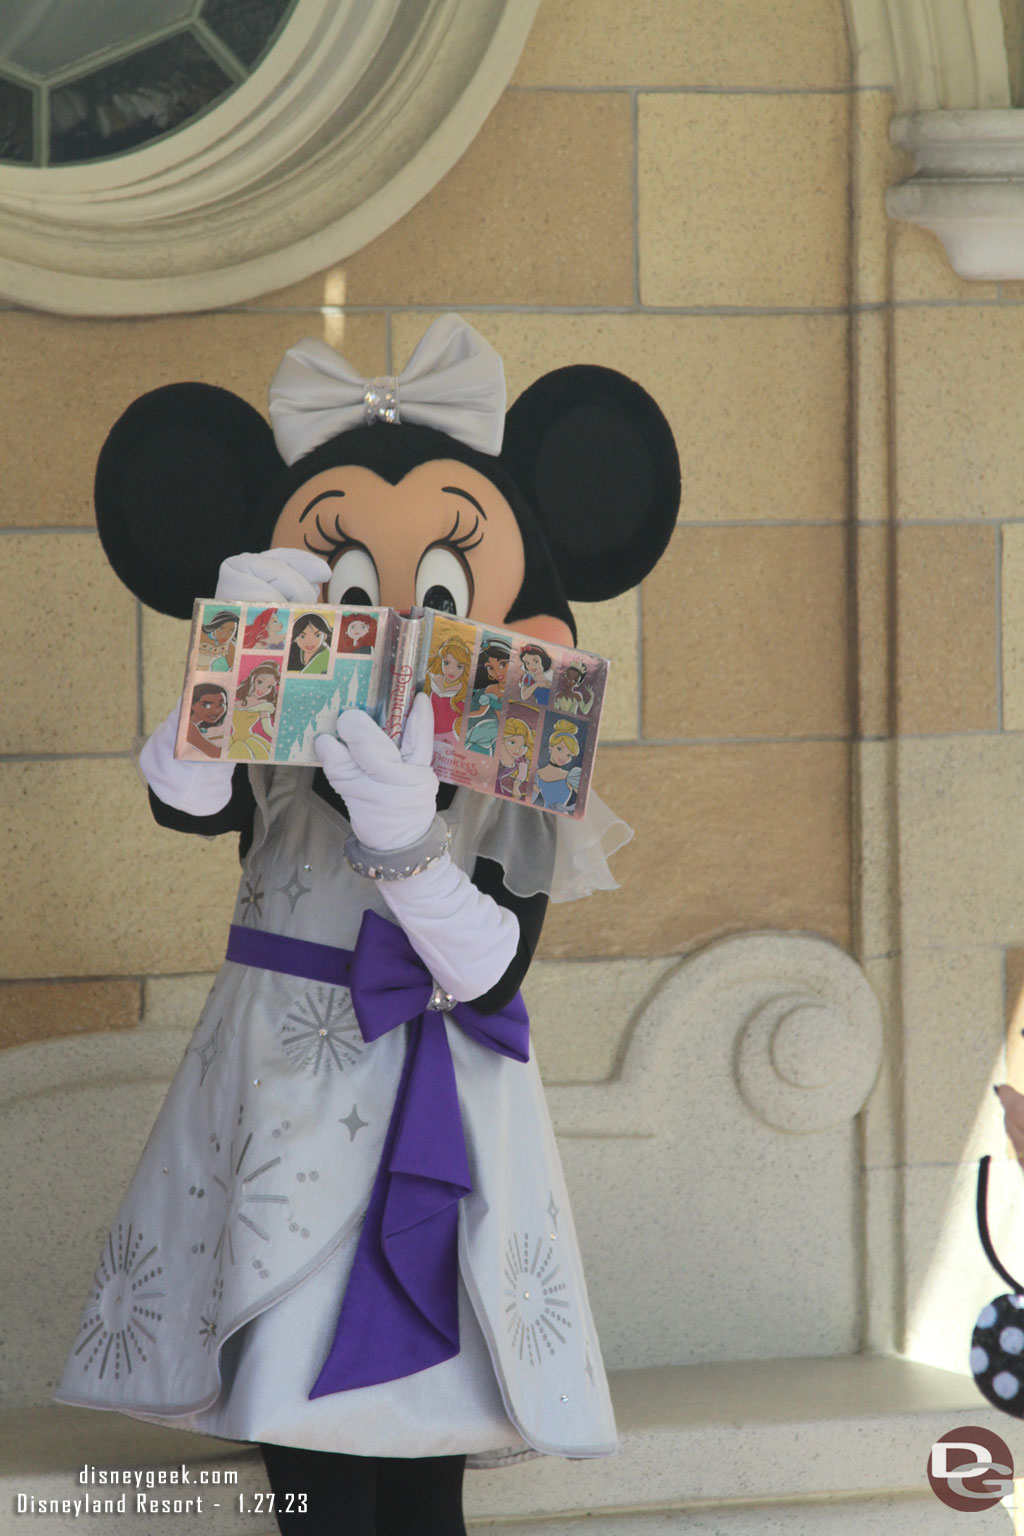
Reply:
x=349, y=1238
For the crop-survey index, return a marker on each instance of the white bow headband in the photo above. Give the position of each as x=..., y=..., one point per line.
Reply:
x=454, y=382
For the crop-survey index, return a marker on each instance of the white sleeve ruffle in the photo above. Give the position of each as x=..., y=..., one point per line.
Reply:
x=541, y=851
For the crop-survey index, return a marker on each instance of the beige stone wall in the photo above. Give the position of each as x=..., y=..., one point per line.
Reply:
x=958, y=767
x=664, y=188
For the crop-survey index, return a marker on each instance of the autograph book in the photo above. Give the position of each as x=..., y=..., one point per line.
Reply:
x=512, y=716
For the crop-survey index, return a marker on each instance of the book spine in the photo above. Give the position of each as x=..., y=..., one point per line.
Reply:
x=402, y=679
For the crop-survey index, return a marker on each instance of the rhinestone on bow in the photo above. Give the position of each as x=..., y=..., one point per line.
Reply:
x=380, y=400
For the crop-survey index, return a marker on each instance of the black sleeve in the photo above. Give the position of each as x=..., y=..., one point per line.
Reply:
x=530, y=910
x=236, y=816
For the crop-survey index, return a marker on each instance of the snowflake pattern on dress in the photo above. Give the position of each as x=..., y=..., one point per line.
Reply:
x=537, y=1313
x=320, y=1031
x=119, y=1322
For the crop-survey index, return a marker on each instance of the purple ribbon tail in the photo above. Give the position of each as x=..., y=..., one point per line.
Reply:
x=400, y=1311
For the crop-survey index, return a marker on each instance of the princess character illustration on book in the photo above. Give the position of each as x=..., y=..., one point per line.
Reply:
x=265, y=630
x=253, y=714
x=206, y=729
x=574, y=697
x=535, y=683
x=311, y=644
x=488, y=694
x=517, y=739
x=447, y=684
x=357, y=634
x=217, y=653
x=557, y=781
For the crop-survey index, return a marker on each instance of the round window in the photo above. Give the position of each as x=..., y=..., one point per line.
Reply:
x=170, y=155
x=81, y=82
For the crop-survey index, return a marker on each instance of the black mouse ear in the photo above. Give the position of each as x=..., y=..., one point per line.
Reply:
x=179, y=482
x=597, y=462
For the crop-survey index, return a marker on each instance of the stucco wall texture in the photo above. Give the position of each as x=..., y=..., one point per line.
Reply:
x=666, y=189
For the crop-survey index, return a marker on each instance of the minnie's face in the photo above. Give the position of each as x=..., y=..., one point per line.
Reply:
x=443, y=537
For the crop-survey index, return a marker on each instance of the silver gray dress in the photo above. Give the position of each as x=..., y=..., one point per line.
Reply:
x=217, y=1293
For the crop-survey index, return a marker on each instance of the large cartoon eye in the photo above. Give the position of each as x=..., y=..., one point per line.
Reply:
x=354, y=579
x=443, y=581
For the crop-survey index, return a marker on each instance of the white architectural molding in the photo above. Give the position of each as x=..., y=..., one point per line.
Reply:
x=358, y=110
x=931, y=53
x=797, y=1018
x=946, y=64
x=968, y=187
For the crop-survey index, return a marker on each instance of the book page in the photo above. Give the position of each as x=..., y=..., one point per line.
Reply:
x=512, y=717
x=262, y=683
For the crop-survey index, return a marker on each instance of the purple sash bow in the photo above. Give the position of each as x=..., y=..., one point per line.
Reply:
x=400, y=1310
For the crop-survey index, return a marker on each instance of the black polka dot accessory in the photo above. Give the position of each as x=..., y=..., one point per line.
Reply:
x=997, y=1354
x=997, y=1344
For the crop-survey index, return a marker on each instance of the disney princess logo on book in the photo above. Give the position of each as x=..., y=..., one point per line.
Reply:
x=512, y=716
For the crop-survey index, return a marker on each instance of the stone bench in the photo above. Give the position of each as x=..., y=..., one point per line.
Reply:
x=742, y=1449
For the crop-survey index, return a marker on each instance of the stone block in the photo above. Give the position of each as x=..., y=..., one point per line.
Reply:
x=40, y=1010
x=744, y=199
x=705, y=42
x=727, y=837
x=946, y=595
x=539, y=210
x=952, y=1052
x=94, y=887
x=961, y=841
x=68, y=631
x=751, y=634
x=955, y=370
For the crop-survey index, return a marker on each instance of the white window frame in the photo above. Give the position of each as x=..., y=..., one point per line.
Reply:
x=303, y=164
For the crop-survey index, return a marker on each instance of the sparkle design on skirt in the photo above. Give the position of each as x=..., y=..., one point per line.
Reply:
x=208, y=1051
x=537, y=1310
x=295, y=889
x=321, y=1031
x=252, y=902
x=245, y=1199
x=119, y=1322
x=208, y=1319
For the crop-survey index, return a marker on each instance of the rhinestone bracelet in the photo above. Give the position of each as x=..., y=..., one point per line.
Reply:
x=400, y=863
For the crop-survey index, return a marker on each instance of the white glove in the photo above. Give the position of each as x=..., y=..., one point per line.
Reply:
x=391, y=792
x=199, y=789
x=278, y=575
x=466, y=940
x=288, y=575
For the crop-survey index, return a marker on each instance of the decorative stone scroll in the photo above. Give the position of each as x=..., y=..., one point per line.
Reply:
x=801, y=1022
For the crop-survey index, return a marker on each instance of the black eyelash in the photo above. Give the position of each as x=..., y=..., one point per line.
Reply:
x=335, y=542
x=464, y=542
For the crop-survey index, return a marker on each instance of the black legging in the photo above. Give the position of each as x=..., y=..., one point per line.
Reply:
x=365, y=1495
